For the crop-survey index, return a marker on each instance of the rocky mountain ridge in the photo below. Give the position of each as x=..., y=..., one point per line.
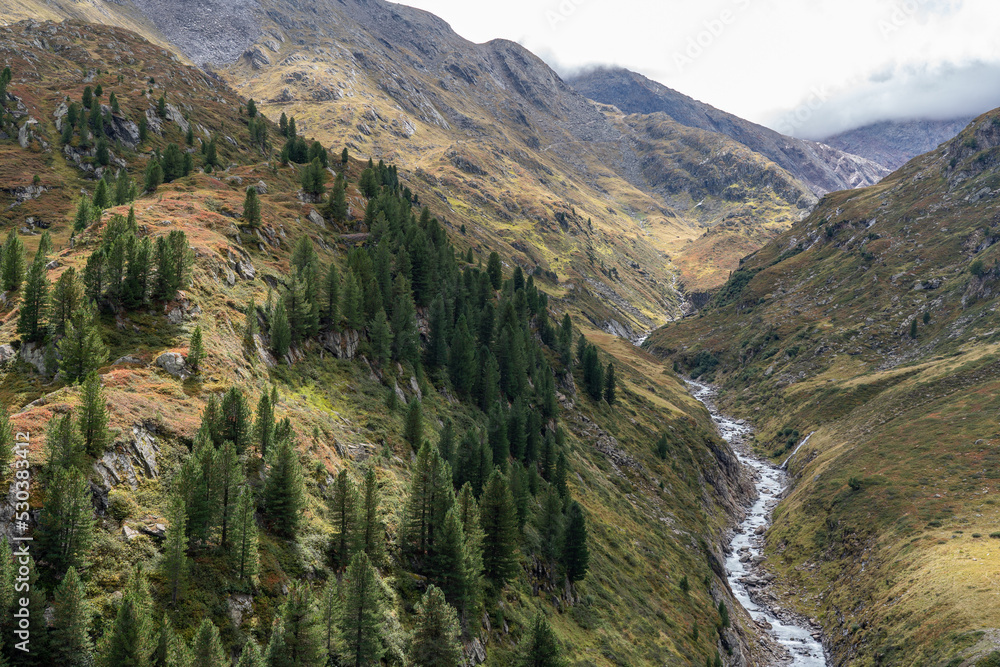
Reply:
x=896, y=142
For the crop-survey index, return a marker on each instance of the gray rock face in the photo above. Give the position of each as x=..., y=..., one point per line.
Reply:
x=26, y=133
x=6, y=353
x=173, y=363
x=207, y=31
x=128, y=460
x=895, y=142
x=35, y=355
x=343, y=344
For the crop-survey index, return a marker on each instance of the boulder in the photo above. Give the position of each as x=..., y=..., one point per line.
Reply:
x=240, y=605
x=261, y=187
x=173, y=363
x=6, y=353
x=316, y=218
x=26, y=133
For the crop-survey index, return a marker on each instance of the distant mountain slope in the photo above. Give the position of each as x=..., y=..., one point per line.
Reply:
x=872, y=326
x=825, y=169
x=896, y=142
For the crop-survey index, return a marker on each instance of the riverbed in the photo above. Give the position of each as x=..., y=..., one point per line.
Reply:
x=747, y=545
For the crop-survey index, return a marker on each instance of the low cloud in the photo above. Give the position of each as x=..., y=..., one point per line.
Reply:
x=901, y=92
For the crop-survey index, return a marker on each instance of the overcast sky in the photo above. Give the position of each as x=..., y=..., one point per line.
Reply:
x=804, y=67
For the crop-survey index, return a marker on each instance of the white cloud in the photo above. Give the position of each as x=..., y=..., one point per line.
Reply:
x=762, y=59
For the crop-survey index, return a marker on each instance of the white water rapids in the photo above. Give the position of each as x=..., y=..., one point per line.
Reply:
x=747, y=545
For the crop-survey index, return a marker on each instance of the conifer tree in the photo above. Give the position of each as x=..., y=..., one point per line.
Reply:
x=488, y=383
x=336, y=206
x=251, y=207
x=195, y=350
x=283, y=490
x=331, y=292
x=84, y=214
x=34, y=302
x=88, y=97
x=153, y=175
x=540, y=648
x=63, y=444
x=235, y=424
x=381, y=337
x=251, y=109
x=405, y=336
x=351, y=307
x=12, y=268
x=371, y=530
x=430, y=497
x=69, y=636
x=344, y=157
x=175, y=564
x=610, y=386
x=229, y=474
x=82, y=348
x=446, y=442
x=467, y=510
x=313, y=178
x=93, y=418
x=330, y=611
x=497, y=435
x=251, y=656
x=161, y=107
x=550, y=522
x=66, y=526
x=414, y=428
x=437, y=349
x=264, y=424
x=435, y=634
x=246, y=545
x=45, y=244
x=199, y=489
x=499, y=520
x=276, y=654
x=461, y=359
x=450, y=562
x=281, y=332
x=143, y=130
x=364, y=614
x=344, y=506
x=129, y=642
x=207, y=646
x=302, y=630
x=171, y=650
x=494, y=271
x=576, y=556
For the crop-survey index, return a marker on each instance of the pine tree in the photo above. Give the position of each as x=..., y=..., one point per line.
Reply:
x=251, y=208
x=313, y=178
x=34, y=302
x=405, y=335
x=264, y=424
x=129, y=642
x=499, y=520
x=430, y=497
x=331, y=301
x=207, y=646
x=283, y=490
x=302, y=631
x=195, y=350
x=84, y=214
x=229, y=474
x=235, y=424
x=161, y=107
x=449, y=568
x=364, y=613
x=63, y=444
x=344, y=510
x=435, y=633
x=45, y=244
x=414, y=428
x=198, y=486
x=246, y=545
x=497, y=435
x=550, y=522
x=576, y=556
x=143, y=130
x=437, y=349
x=67, y=523
x=281, y=332
x=277, y=654
x=330, y=610
x=82, y=348
x=540, y=648
x=12, y=269
x=344, y=157
x=370, y=537
x=381, y=337
x=175, y=563
x=251, y=656
x=351, y=308
x=462, y=359
x=171, y=650
x=93, y=416
x=336, y=207
x=610, y=388
x=88, y=97
x=69, y=635
x=251, y=109
x=468, y=513
x=494, y=271
x=136, y=283
x=153, y=175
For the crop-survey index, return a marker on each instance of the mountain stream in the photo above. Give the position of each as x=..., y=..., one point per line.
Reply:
x=747, y=546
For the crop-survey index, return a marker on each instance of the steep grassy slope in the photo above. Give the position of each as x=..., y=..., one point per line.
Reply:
x=872, y=325
x=651, y=522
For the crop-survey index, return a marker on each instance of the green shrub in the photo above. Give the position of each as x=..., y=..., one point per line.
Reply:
x=121, y=506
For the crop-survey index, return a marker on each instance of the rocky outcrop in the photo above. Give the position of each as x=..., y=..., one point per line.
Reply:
x=173, y=363
x=128, y=460
x=342, y=344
